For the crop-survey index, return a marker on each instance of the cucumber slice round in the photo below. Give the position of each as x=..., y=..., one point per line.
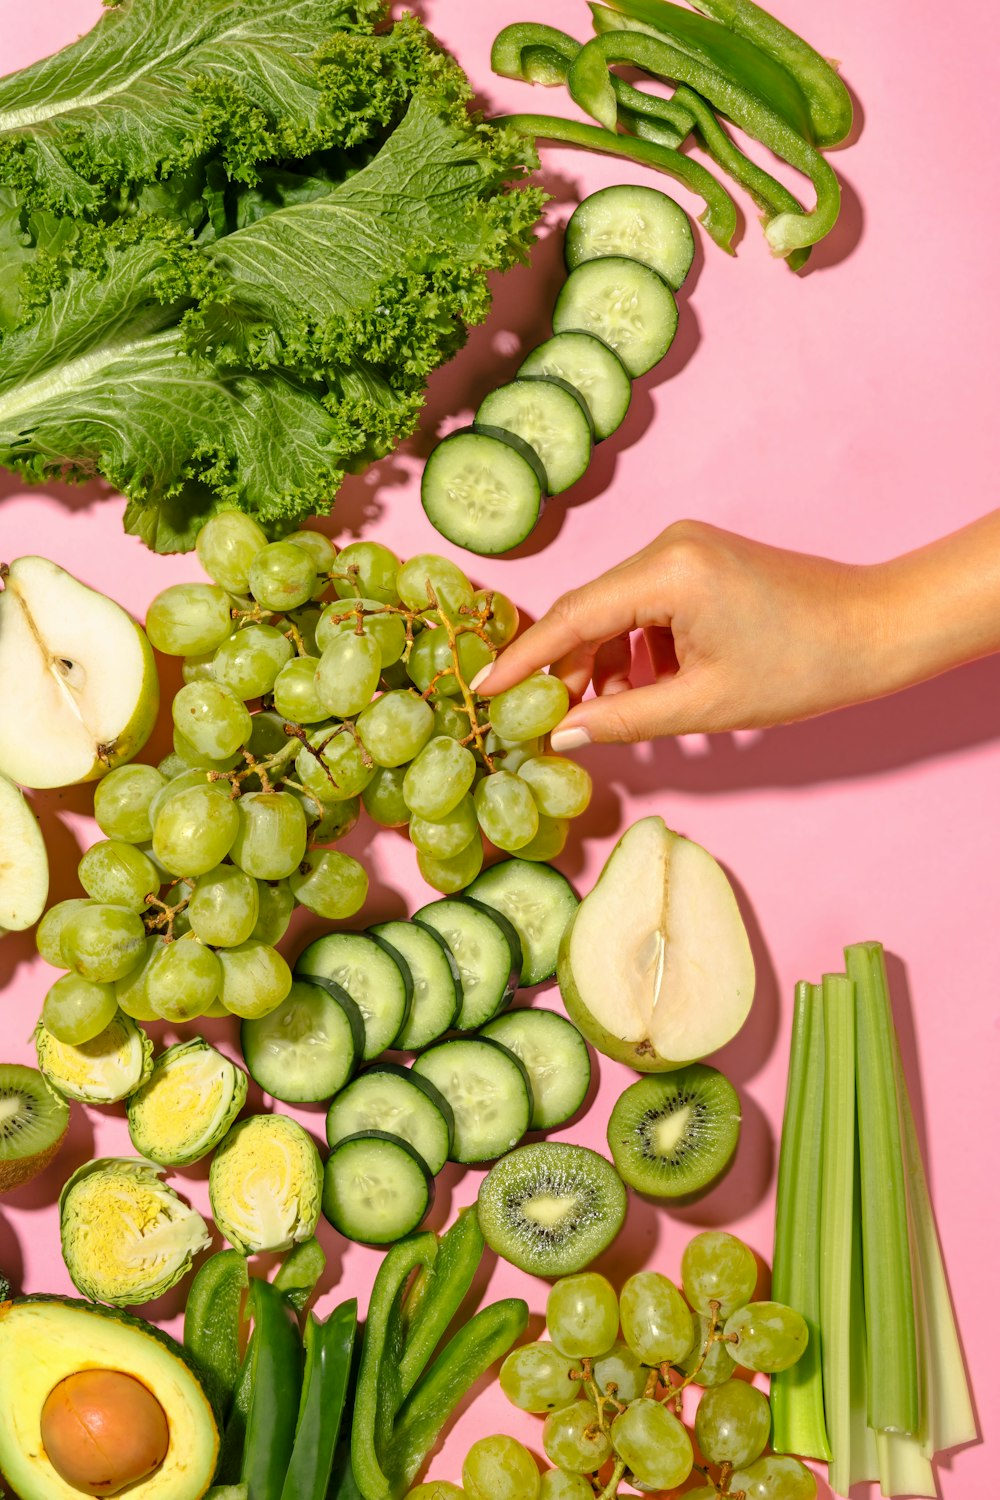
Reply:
x=486, y=949
x=483, y=489
x=549, y=417
x=407, y=1105
x=378, y=981
x=307, y=1048
x=489, y=1093
x=555, y=1056
x=539, y=903
x=376, y=1189
x=437, y=984
x=624, y=303
x=593, y=369
x=640, y=223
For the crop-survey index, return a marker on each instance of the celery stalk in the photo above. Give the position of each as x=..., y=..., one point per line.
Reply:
x=837, y=1214
x=797, y=1393
x=864, y=1452
x=903, y=1467
x=893, y=1388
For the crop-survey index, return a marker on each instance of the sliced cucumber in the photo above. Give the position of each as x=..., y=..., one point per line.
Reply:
x=538, y=901
x=486, y=948
x=489, y=1093
x=556, y=1058
x=640, y=223
x=624, y=303
x=377, y=981
x=307, y=1048
x=591, y=367
x=376, y=1188
x=483, y=489
x=551, y=418
x=388, y=1097
x=437, y=984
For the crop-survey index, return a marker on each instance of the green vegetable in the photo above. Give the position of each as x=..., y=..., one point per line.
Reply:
x=328, y=1349
x=437, y=1293
x=833, y=1018
x=282, y=223
x=275, y=1375
x=212, y=1319
x=797, y=1393
x=299, y=1272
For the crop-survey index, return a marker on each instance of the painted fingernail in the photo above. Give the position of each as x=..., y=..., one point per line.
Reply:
x=569, y=739
x=480, y=678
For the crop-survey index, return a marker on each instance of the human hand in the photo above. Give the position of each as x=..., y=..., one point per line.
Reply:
x=739, y=635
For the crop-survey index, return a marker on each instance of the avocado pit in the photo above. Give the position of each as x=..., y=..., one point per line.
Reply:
x=103, y=1430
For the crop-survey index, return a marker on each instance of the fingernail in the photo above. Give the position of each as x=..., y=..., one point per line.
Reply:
x=480, y=678
x=569, y=739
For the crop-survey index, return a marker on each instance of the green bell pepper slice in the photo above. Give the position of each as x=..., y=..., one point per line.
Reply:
x=437, y=1293
x=212, y=1322
x=275, y=1378
x=328, y=1349
x=300, y=1271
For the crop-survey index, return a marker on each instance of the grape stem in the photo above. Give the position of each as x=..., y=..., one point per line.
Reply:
x=165, y=913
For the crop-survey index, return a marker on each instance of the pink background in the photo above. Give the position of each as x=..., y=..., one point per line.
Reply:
x=850, y=411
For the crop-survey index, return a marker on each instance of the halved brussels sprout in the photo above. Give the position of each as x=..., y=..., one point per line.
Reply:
x=102, y=1071
x=265, y=1184
x=191, y=1099
x=126, y=1236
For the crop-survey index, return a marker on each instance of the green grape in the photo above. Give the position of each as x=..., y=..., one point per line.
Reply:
x=282, y=576
x=396, y=727
x=227, y=545
x=450, y=720
x=306, y=621
x=536, y=1377
x=509, y=756
x=348, y=673
x=506, y=810
x=436, y=1489
x=501, y=626
x=383, y=797
x=582, y=1315
x=549, y=841
x=556, y=1484
x=224, y=907
x=451, y=875
x=118, y=873
x=775, y=1477
x=323, y=554
x=331, y=884
x=255, y=979
x=170, y=766
x=499, y=1468
x=769, y=1336
x=426, y=578
x=212, y=720
x=573, y=1439
x=296, y=694
x=196, y=760
x=448, y=836
x=131, y=994
x=531, y=708
x=328, y=822
x=341, y=772
x=341, y=618
x=439, y=777
x=368, y=571
x=189, y=777
x=267, y=738
x=199, y=668
x=656, y=1321
x=275, y=904
x=184, y=979
x=395, y=677
x=122, y=801
x=733, y=1423
x=431, y=654
x=248, y=662
x=717, y=1267
x=76, y=1010
x=620, y=1373
x=194, y=830
x=271, y=837
x=101, y=942
x=48, y=935
x=718, y=1364
x=560, y=787
x=189, y=619
x=653, y=1443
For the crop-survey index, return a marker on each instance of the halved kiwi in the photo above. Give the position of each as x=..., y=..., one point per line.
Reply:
x=551, y=1208
x=671, y=1134
x=33, y=1122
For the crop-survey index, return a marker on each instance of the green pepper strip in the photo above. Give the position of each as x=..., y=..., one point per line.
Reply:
x=828, y=101
x=276, y=1380
x=737, y=58
x=483, y=1340
x=300, y=1271
x=212, y=1320
x=591, y=88
x=379, y=1395
x=719, y=216
x=438, y=1293
x=328, y=1348
x=234, y=1437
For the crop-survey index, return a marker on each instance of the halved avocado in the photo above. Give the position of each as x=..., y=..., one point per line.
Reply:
x=45, y=1339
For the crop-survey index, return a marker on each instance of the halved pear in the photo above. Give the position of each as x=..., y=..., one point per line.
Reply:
x=24, y=864
x=655, y=967
x=78, y=685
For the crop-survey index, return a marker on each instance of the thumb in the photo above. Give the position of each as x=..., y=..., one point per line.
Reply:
x=647, y=713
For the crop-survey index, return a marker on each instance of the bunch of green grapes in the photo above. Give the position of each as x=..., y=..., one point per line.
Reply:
x=315, y=684
x=611, y=1379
